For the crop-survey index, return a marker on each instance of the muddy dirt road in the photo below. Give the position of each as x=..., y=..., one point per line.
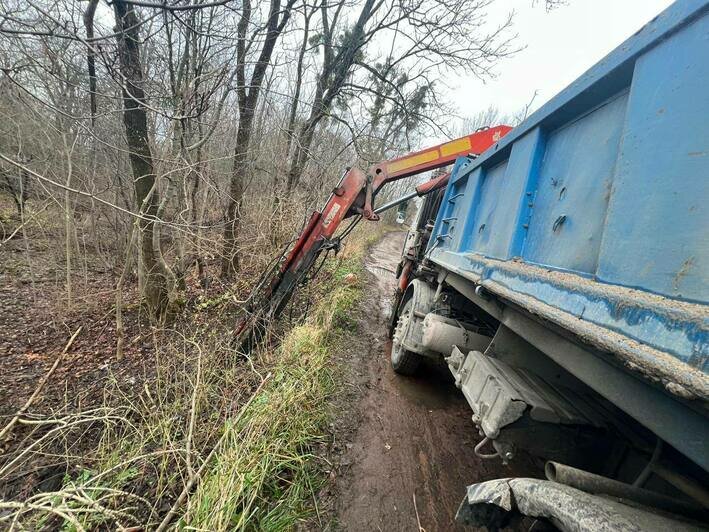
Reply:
x=405, y=443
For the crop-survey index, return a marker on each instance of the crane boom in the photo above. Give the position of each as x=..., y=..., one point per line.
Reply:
x=353, y=196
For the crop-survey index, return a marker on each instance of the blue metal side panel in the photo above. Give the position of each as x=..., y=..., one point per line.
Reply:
x=487, y=230
x=606, y=78
x=463, y=224
x=658, y=224
x=464, y=207
x=573, y=190
x=524, y=164
x=455, y=206
x=617, y=171
x=501, y=201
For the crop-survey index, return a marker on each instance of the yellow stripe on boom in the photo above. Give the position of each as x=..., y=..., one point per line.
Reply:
x=414, y=160
x=455, y=146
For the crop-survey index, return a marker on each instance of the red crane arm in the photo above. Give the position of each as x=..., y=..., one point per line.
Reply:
x=436, y=156
x=355, y=195
x=356, y=191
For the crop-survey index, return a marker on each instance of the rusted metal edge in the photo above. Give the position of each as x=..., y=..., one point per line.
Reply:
x=674, y=375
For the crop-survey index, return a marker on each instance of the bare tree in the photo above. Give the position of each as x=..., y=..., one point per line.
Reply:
x=141, y=138
x=305, y=44
x=184, y=115
x=248, y=97
x=17, y=183
x=135, y=120
x=88, y=17
x=426, y=40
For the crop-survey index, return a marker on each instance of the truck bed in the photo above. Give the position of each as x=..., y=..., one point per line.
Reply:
x=592, y=214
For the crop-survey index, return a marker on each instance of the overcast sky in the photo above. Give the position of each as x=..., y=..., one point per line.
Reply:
x=560, y=46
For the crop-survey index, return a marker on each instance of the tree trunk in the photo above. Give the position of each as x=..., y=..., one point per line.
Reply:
x=91, y=55
x=301, y=151
x=290, y=128
x=135, y=120
x=248, y=100
x=230, y=260
x=68, y=223
x=330, y=82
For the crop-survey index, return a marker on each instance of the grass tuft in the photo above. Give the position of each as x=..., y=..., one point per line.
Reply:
x=253, y=460
x=265, y=478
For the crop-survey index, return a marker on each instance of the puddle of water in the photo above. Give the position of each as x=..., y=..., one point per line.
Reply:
x=431, y=387
x=386, y=283
x=381, y=270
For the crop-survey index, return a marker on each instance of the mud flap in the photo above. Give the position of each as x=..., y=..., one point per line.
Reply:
x=494, y=504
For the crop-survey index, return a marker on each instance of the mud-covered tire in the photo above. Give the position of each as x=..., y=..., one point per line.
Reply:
x=403, y=361
x=394, y=318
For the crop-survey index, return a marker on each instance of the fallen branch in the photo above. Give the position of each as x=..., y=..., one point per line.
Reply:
x=192, y=482
x=63, y=425
x=6, y=430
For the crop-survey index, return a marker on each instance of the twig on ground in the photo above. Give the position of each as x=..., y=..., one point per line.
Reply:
x=6, y=430
x=192, y=482
x=418, y=519
x=63, y=424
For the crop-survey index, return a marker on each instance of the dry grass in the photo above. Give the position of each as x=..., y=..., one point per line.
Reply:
x=246, y=459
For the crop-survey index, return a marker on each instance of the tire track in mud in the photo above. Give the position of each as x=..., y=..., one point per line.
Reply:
x=398, y=439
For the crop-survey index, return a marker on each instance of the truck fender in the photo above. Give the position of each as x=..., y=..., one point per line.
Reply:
x=495, y=503
x=422, y=296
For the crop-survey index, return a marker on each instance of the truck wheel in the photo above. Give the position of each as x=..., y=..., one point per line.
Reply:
x=394, y=318
x=403, y=361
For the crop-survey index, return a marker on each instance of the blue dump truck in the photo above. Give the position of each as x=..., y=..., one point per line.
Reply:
x=563, y=277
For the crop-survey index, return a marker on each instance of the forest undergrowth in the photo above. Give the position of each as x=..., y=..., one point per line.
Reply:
x=154, y=157
x=184, y=430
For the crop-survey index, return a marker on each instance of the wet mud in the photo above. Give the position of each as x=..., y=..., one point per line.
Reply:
x=404, y=445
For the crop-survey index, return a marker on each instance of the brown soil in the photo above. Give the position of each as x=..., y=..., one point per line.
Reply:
x=402, y=449
x=35, y=325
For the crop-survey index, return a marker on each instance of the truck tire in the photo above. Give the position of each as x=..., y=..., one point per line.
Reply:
x=394, y=318
x=403, y=361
